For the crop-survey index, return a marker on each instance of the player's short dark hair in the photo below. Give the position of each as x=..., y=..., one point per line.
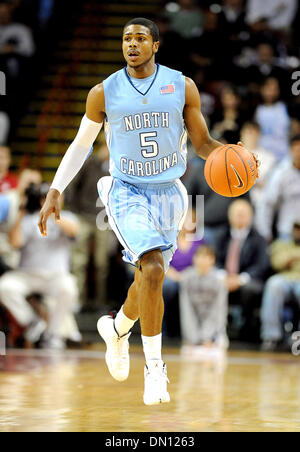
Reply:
x=295, y=138
x=153, y=28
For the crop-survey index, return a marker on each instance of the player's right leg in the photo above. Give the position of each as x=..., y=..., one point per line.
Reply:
x=115, y=331
x=151, y=309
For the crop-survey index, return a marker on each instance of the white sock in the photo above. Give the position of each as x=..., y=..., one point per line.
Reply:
x=122, y=323
x=152, y=349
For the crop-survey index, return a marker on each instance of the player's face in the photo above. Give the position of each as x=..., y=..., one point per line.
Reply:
x=138, y=46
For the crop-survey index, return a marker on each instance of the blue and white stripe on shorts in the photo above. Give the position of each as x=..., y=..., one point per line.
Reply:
x=144, y=217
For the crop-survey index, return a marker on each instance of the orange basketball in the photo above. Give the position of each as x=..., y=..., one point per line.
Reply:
x=230, y=170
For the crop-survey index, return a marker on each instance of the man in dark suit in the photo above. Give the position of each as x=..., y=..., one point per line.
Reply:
x=242, y=253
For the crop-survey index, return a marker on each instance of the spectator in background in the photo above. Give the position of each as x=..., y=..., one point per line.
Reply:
x=226, y=123
x=35, y=13
x=206, y=52
x=44, y=268
x=4, y=127
x=265, y=65
x=8, y=180
x=285, y=259
x=203, y=303
x=185, y=18
x=15, y=41
x=281, y=196
x=234, y=31
x=273, y=119
x=16, y=51
x=171, y=45
x=187, y=244
x=12, y=200
x=232, y=18
x=4, y=209
x=250, y=136
x=81, y=199
x=242, y=253
x=279, y=14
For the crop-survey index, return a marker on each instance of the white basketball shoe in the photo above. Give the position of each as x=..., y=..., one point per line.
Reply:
x=117, y=351
x=156, y=384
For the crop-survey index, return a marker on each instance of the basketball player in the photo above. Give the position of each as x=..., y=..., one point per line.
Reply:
x=146, y=108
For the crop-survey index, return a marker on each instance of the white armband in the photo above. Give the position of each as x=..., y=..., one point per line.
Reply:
x=76, y=154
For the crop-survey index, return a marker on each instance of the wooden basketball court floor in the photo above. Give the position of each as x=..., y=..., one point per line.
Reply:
x=73, y=391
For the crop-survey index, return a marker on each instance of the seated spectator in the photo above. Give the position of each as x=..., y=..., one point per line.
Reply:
x=232, y=18
x=226, y=123
x=44, y=268
x=4, y=209
x=250, y=136
x=8, y=180
x=281, y=197
x=187, y=243
x=285, y=259
x=273, y=119
x=203, y=302
x=279, y=14
x=171, y=45
x=185, y=18
x=234, y=29
x=242, y=253
x=11, y=202
x=15, y=41
x=265, y=66
x=16, y=51
x=205, y=50
x=34, y=13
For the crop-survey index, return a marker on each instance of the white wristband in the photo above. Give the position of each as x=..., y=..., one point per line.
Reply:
x=76, y=154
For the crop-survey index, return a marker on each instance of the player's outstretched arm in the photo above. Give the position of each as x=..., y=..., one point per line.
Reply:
x=195, y=123
x=76, y=154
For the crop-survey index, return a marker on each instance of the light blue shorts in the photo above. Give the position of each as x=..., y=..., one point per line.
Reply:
x=144, y=217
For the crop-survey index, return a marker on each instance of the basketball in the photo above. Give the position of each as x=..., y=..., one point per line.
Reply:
x=230, y=170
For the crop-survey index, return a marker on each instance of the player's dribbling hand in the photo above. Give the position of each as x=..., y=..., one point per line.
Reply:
x=51, y=206
x=255, y=156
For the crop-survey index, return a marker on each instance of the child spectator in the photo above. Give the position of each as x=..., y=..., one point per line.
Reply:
x=183, y=258
x=203, y=302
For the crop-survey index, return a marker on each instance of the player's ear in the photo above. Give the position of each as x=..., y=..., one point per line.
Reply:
x=155, y=46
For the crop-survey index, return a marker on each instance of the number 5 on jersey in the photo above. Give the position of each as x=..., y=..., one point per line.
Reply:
x=145, y=142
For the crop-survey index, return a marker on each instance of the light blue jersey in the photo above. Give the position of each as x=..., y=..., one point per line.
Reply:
x=144, y=126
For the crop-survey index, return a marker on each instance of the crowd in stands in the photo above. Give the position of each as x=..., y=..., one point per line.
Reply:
x=234, y=276
x=26, y=40
x=242, y=55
